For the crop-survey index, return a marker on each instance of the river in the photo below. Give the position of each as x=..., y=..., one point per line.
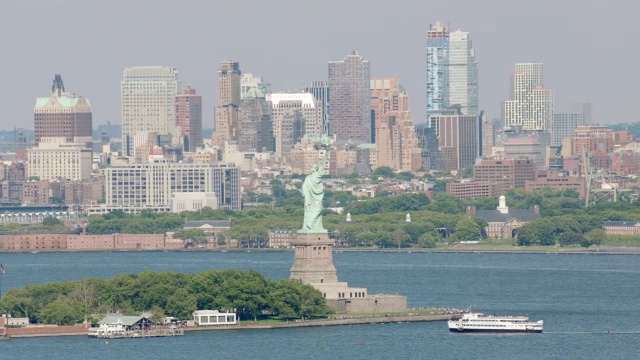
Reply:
x=580, y=297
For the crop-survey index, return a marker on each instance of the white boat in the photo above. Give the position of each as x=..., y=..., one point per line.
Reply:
x=479, y=322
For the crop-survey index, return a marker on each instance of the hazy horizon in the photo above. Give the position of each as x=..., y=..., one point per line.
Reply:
x=289, y=43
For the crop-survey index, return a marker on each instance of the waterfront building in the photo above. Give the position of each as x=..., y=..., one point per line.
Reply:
x=56, y=158
x=193, y=201
x=62, y=114
x=502, y=222
x=226, y=112
x=281, y=238
x=151, y=186
x=350, y=106
x=189, y=119
x=531, y=105
x=147, y=102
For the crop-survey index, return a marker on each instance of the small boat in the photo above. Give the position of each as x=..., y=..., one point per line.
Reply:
x=479, y=322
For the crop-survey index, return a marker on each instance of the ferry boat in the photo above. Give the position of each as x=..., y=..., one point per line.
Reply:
x=479, y=322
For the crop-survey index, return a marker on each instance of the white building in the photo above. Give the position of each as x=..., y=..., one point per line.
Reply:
x=148, y=102
x=213, y=317
x=56, y=158
x=139, y=186
x=462, y=73
x=294, y=115
x=531, y=105
x=193, y=201
x=249, y=82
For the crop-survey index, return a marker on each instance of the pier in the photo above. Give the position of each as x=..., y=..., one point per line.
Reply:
x=138, y=333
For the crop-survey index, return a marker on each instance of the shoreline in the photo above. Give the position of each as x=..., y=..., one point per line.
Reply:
x=336, y=321
x=613, y=250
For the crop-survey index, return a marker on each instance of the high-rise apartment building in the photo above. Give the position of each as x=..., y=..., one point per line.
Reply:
x=189, y=118
x=350, y=106
x=397, y=144
x=62, y=114
x=531, y=105
x=437, y=44
x=255, y=122
x=452, y=71
x=462, y=74
x=320, y=91
x=488, y=136
x=226, y=113
x=148, y=102
x=294, y=115
x=566, y=122
x=459, y=139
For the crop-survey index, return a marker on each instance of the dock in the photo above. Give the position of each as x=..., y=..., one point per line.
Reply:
x=133, y=334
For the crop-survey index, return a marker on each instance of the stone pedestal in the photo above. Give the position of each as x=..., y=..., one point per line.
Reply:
x=313, y=259
x=313, y=265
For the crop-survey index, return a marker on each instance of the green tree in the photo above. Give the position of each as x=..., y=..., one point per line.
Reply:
x=593, y=237
x=571, y=238
x=467, y=229
x=194, y=236
x=400, y=237
x=51, y=221
x=428, y=240
x=383, y=171
x=61, y=312
x=221, y=239
x=157, y=314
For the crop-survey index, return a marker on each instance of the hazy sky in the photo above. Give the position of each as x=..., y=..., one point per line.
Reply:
x=589, y=48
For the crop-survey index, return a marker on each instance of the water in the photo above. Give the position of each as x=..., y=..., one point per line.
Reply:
x=580, y=298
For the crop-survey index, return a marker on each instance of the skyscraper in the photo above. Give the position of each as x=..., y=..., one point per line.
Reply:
x=459, y=139
x=255, y=122
x=320, y=91
x=189, y=118
x=226, y=113
x=62, y=114
x=437, y=44
x=350, y=106
x=148, y=102
x=294, y=115
x=396, y=141
x=452, y=71
x=462, y=84
x=531, y=105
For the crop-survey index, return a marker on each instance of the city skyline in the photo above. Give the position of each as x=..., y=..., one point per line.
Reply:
x=95, y=61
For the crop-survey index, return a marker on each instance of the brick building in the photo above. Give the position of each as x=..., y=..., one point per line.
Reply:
x=507, y=174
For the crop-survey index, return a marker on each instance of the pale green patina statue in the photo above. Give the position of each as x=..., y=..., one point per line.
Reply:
x=313, y=192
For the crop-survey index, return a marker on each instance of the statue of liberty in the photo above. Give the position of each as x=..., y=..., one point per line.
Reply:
x=313, y=192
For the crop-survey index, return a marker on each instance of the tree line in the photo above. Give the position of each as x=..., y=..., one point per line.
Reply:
x=248, y=293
